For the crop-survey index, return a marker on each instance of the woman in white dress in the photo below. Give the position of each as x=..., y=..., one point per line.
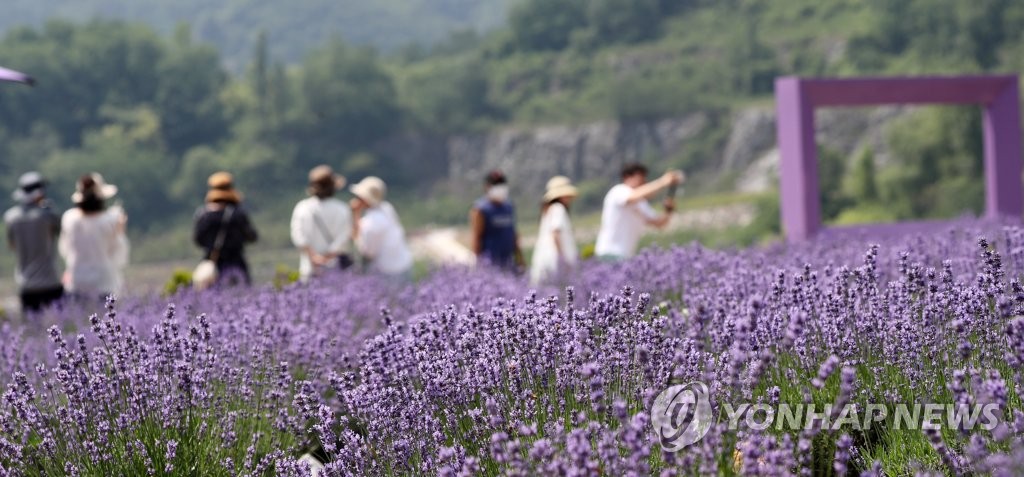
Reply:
x=93, y=241
x=379, y=235
x=555, y=251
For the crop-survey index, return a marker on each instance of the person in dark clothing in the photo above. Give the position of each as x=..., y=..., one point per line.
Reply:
x=32, y=231
x=493, y=223
x=222, y=199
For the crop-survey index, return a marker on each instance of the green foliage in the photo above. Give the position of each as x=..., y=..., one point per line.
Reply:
x=549, y=25
x=858, y=200
x=448, y=95
x=188, y=97
x=348, y=100
x=141, y=180
x=157, y=116
x=940, y=165
x=292, y=28
x=644, y=98
x=765, y=227
x=965, y=35
x=624, y=20
x=587, y=251
x=936, y=172
x=862, y=182
x=868, y=213
x=445, y=210
x=539, y=25
x=85, y=68
x=284, y=276
x=181, y=279
x=767, y=221
x=831, y=167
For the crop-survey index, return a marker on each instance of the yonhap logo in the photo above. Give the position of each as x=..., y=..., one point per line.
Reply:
x=681, y=415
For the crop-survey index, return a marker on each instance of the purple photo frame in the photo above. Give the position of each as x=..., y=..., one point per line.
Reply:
x=797, y=98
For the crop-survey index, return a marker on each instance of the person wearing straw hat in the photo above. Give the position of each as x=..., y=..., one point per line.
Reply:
x=93, y=241
x=321, y=226
x=222, y=229
x=33, y=228
x=555, y=251
x=379, y=235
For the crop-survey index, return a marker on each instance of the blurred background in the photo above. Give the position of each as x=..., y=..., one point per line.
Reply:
x=431, y=94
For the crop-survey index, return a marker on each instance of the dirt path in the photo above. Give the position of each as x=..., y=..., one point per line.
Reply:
x=442, y=246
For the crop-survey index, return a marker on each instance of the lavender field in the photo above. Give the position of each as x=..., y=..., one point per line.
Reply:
x=473, y=373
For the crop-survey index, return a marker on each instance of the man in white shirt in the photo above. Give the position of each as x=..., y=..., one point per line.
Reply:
x=321, y=225
x=627, y=213
x=379, y=235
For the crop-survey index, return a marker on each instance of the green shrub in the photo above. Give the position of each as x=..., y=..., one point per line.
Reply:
x=587, y=251
x=180, y=279
x=284, y=276
x=866, y=214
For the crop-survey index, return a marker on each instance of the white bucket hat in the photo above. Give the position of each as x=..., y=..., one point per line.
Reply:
x=558, y=187
x=371, y=189
x=103, y=190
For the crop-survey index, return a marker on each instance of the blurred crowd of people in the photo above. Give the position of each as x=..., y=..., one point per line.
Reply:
x=328, y=232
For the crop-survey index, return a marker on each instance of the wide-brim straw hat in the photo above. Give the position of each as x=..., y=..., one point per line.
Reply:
x=323, y=179
x=222, y=188
x=371, y=189
x=558, y=187
x=103, y=190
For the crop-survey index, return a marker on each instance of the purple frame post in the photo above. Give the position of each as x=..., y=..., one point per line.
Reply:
x=797, y=98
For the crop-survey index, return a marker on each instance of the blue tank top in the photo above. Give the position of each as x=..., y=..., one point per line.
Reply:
x=498, y=244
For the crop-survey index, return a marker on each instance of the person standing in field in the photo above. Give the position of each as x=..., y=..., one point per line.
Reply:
x=626, y=212
x=492, y=223
x=33, y=229
x=321, y=225
x=93, y=241
x=223, y=216
x=379, y=235
x=555, y=251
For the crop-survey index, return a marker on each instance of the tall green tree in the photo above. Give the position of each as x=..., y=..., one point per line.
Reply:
x=81, y=69
x=624, y=21
x=348, y=100
x=538, y=25
x=187, y=97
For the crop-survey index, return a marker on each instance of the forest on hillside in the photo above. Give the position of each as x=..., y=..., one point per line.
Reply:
x=294, y=27
x=158, y=112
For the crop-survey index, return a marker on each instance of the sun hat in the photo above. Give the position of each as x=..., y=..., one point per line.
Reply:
x=558, y=187
x=322, y=179
x=222, y=188
x=99, y=187
x=31, y=186
x=371, y=189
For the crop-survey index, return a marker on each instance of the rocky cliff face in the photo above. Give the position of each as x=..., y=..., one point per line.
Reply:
x=596, y=151
x=591, y=151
